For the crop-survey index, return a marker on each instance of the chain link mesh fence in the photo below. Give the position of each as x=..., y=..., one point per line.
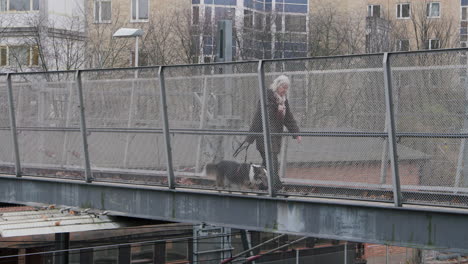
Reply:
x=430, y=100
x=47, y=120
x=341, y=95
x=123, y=118
x=219, y=98
x=337, y=103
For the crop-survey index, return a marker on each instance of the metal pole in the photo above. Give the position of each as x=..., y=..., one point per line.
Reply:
x=84, y=132
x=275, y=249
x=67, y=124
x=129, y=122
x=266, y=127
x=62, y=243
x=384, y=162
x=391, y=130
x=203, y=115
x=136, y=51
x=386, y=254
x=283, y=157
x=346, y=252
x=130, y=112
x=252, y=248
x=167, y=137
x=40, y=118
x=14, y=134
x=462, y=162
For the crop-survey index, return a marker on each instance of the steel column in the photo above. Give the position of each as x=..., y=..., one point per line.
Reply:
x=86, y=256
x=266, y=127
x=14, y=132
x=62, y=244
x=125, y=254
x=391, y=130
x=167, y=137
x=84, y=132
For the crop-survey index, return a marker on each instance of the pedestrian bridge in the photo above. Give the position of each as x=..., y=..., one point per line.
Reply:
x=382, y=158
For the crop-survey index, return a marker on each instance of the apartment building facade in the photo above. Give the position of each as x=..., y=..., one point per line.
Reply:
x=41, y=34
x=297, y=28
x=69, y=34
x=413, y=25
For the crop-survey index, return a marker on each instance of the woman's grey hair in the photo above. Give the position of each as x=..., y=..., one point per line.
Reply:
x=279, y=81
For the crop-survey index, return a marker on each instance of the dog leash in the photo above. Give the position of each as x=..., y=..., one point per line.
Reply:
x=244, y=145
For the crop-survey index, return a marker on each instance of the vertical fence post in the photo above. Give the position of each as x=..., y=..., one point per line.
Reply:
x=266, y=128
x=391, y=129
x=84, y=132
x=14, y=134
x=167, y=137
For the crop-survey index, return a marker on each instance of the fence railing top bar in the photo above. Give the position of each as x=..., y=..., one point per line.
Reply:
x=367, y=54
x=211, y=64
x=428, y=51
x=42, y=72
x=121, y=68
x=239, y=62
x=325, y=57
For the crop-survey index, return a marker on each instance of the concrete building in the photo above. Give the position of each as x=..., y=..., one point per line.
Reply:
x=298, y=28
x=41, y=34
x=263, y=28
x=412, y=25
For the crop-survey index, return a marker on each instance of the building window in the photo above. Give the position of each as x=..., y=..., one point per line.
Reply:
x=19, y=5
x=464, y=13
x=19, y=56
x=3, y=56
x=433, y=44
x=295, y=23
x=3, y=5
x=248, y=19
x=373, y=10
x=102, y=11
x=259, y=21
x=403, y=10
x=195, y=15
x=279, y=23
x=433, y=10
x=403, y=45
x=140, y=10
x=225, y=13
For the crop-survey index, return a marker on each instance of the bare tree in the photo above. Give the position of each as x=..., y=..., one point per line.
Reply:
x=104, y=51
x=332, y=32
x=189, y=33
x=158, y=44
x=426, y=28
x=57, y=47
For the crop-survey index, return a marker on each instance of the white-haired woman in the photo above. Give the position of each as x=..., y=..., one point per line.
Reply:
x=280, y=116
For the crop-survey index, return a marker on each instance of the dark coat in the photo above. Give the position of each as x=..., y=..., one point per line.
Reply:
x=277, y=122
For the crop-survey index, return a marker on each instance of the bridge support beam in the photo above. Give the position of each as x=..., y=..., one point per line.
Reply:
x=422, y=227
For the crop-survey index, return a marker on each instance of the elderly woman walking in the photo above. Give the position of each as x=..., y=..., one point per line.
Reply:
x=280, y=116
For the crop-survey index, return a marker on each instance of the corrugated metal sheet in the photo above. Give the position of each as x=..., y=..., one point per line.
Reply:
x=50, y=221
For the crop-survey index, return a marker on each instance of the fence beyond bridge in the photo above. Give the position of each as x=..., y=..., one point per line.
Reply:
x=382, y=127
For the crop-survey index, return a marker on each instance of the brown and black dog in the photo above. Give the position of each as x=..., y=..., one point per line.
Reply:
x=232, y=174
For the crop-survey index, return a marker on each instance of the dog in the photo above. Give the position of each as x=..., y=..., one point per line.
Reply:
x=232, y=174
